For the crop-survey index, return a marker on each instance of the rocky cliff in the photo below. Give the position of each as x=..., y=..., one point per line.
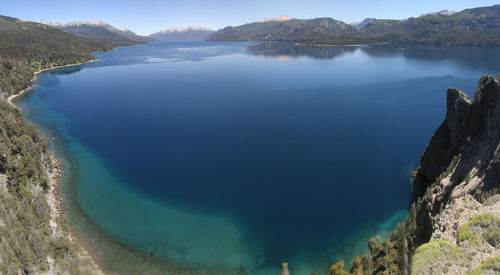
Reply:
x=463, y=156
x=460, y=171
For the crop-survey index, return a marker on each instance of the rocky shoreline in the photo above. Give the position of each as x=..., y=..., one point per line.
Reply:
x=54, y=199
x=32, y=86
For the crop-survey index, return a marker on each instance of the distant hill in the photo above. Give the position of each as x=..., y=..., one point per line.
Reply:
x=25, y=39
x=478, y=26
x=101, y=32
x=318, y=29
x=189, y=33
x=443, y=12
x=26, y=47
x=30, y=41
x=360, y=25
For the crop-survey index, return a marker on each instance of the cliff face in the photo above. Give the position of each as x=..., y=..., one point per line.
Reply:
x=463, y=156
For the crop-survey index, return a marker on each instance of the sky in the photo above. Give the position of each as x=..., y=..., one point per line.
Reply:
x=148, y=16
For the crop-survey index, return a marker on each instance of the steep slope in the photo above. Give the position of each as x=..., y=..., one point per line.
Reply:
x=130, y=34
x=479, y=26
x=463, y=156
x=189, y=33
x=26, y=47
x=25, y=39
x=460, y=171
x=101, y=32
x=453, y=227
x=359, y=25
x=318, y=29
x=34, y=234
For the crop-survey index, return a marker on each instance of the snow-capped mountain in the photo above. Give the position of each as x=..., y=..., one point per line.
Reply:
x=187, y=33
x=100, y=31
x=281, y=18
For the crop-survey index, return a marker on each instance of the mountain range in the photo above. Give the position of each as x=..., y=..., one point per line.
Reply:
x=189, y=33
x=478, y=26
x=106, y=33
x=101, y=32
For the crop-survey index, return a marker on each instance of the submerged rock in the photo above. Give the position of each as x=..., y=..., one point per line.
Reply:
x=284, y=269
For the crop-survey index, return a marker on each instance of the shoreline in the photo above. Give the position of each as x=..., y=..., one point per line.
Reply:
x=54, y=200
x=89, y=245
x=33, y=80
x=60, y=179
x=54, y=197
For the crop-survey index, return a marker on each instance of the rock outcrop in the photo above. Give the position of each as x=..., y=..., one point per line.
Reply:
x=463, y=156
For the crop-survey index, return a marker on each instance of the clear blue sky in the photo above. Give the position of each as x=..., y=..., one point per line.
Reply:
x=147, y=16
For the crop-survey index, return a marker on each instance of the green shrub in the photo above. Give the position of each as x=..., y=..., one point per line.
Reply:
x=481, y=228
x=492, y=200
x=434, y=253
x=490, y=266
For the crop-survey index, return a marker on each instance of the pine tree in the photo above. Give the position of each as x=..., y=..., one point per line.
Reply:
x=338, y=269
x=404, y=262
x=356, y=267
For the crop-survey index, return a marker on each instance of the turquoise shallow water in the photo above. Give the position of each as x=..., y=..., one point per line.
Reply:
x=243, y=155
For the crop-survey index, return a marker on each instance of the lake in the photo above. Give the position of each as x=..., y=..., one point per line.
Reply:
x=233, y=157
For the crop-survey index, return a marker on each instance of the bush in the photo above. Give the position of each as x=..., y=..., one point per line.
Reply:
x=435, y=253
x=481, y=228
x=490, y=266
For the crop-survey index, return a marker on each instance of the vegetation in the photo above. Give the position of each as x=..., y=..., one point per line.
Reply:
x=490, y=266
x=388, y=256
x=481, y=228
x=479, y=26
x=27, y=243
x=317, y=29
x=361, y=266
x=338, y=269
x=27, y=47
x=435, y=253
x=492, y=200
x=104, y=33
x=393, y=256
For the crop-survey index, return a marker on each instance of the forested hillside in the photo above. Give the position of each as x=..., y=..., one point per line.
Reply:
x=29, y=241
x=102, y=32
x=34, y=236
x=27, y=47
x=479, y=26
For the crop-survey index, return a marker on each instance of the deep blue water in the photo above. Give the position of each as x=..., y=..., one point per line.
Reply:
x=247, y=154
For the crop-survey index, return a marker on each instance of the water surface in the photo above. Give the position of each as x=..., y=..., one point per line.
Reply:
x=239, y=156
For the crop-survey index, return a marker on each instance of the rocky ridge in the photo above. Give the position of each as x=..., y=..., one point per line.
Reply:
x=460, y=171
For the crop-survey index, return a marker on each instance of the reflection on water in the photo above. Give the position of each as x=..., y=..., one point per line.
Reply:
x=211, y=156
x=66, y=70
x=283, y=50
x=482, y=58
x=156, y=52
